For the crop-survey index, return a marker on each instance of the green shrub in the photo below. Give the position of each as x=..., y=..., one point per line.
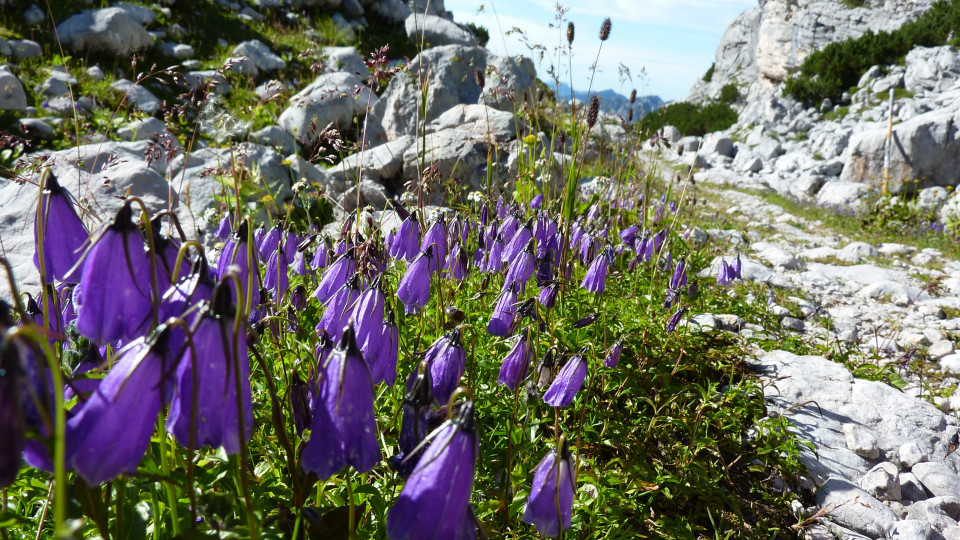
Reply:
x=854, y=3
x=729, y=93
x=708, y=76
x=838, y=66
x=691, y=119
x=479, y=32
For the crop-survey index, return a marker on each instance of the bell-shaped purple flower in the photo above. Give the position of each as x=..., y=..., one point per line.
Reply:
x=549, y=507
x=111, y=431
x=335, y=277
x=368, y=312
x=276, y=279
x=217, y=363
x=113, y=298
x=299, y=266
x=223, y=228
x=537, y=201
x=344, y=430
x=320, y=256
x=417, y=405
x=521, y=268
x=405, y=242
x=269, y=243
x=435, y=501
x=596, y=279
x=515, y=364
x=238, y=256
x=679, y=278
x=504, y=312
x=456, y=263
x=300, y=400
x=568, y=382
x=517, y=244
x=613, y=355
x=436, y=236
x=548, y=295
x=675, y=319
x=187, y=293
x=63, y=233
x=447, y=359
x=389, y=350
x=414, y=288
x=494, y=260
x=339, y=309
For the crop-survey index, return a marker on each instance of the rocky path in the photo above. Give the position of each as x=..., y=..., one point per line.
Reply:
x=884, y=464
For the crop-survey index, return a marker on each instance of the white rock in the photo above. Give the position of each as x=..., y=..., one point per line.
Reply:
x=257, y=58
x=855, y=508
x=345, y=59
x=110, y=30
x=328, y=99
x=12, y=96
x=437, y=31
x=841, y=194
x=776, y=255
x=950, y=364
x=883, y=482
x=940, y=349
x=142, y=130
x=910, y=529
x=910, y=454
x=940, y=512
x=138, y=96
x=860, y=441
x=938, y=478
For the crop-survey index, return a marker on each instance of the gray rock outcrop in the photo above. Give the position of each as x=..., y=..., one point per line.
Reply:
x=110, y=30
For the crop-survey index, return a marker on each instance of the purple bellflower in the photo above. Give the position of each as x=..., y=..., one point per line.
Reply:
x=675, y=319
x=417, y=405
x=521, y=268
x=549, y=507
x=405, y=242
x=596, y=279
x=515, y=364
x=340, y=307
x=110, y=433
x=276, y=280
x=548, y=295
x=334, y=277
x=113, y=298
x=414, y=288
x=269, y=243
x=435, y=501
x=367, y=317
x=64, y=235
x=238, y=254
x=344, y=430
x=613, y=355
x=504, y=312
x=436, y=236
x=389, y=349
x=517, y=244
x=447, y=359
x=568, y=382
x=217, y=363
x=223, y=228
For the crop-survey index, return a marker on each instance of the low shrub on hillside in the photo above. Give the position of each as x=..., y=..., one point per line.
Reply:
x=829, y=72
x=692, y=119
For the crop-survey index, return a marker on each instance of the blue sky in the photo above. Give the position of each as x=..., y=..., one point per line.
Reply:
x=673, y=40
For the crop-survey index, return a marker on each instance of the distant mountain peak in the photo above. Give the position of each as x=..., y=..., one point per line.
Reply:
x=611, y=102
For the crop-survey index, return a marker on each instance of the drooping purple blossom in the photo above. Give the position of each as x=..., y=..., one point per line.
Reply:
x=414, y=288
x=276, y=280
x=64, y=235
x=239, y=257
x=613, y=355
x=113, y=297
x=549, y=507
x=595, y=280
x=504, y=312
x=435, y=501
x=343, y=431
x=417, y=404
x=567, y=383
x=436, y=236
x=521, y=268
x=111, y=431
x=515, y=364
x=446, y=359
x=405, y=242
x=334, y=277
x=217, y=363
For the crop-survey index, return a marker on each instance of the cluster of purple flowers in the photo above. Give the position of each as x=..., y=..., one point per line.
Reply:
x=171, y=331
